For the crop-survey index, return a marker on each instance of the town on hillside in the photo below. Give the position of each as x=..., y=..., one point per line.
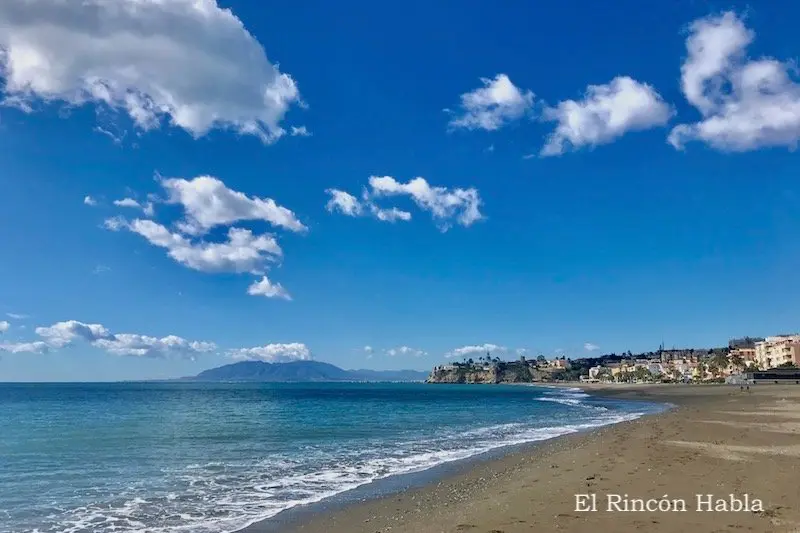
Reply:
x=744, y=360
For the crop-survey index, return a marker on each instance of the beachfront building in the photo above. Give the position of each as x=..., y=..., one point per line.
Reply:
x=745, y=355
x=684, y=369
x=775, y=351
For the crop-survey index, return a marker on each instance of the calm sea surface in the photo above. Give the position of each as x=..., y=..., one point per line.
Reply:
x=213, y=458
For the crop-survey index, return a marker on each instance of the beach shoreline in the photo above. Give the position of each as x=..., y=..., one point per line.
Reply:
x=681, y=453
x=400, y=482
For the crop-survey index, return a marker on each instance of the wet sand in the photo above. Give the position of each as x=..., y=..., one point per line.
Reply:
x=719, y=441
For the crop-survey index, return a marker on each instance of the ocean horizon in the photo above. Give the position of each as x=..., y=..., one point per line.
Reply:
x=169, y=457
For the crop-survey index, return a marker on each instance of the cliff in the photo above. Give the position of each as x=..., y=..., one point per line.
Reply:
x=502, y=372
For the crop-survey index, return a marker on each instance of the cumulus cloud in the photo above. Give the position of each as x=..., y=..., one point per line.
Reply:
x=391, y=214
x=481, y=349
x=24, y=347
x=745, y=104
x=273, y=353
x=209, y=203
x=492, y=106
x=241, y=252
x=264, y=287
x=368, y=349
x=444, y=204
x=447, y=206
x=63, y=334
x=589, y=347
x=189, y=61
x=405, y=350
x=604, y=114
x=145, y=346
x=343, y=202
x=146, y=208
x=4, y=326
x=88, y=200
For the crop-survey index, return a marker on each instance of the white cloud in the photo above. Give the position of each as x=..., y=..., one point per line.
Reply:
x=405, y=350
x=343, y=202
x=273, y=353
x=190, y=61
x=63, y=334
x=4, y=325
x=589, y=347
x=24, y=347
x=264, y=287
x=145, y=346
x=391, y=214
x=492, y=106
x=241, y=252
x=481, y=349
x=606, y=113
x=115, y=223
x=101, y=269
x=117, y=139
x=147, y=208
x=88, y=200
x=300, y=131
x=369, y=349
x=127, y=202
x=443, y=203
x=209, y=203
x=17, y=316
x=745, y=104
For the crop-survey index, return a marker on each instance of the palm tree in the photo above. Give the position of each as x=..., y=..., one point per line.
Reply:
x=720, y=359
x=737, y=361
x=701, y=371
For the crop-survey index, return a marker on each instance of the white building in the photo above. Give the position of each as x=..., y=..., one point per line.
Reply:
x=776, y=351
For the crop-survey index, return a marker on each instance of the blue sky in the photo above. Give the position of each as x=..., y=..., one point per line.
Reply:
x=552, y=217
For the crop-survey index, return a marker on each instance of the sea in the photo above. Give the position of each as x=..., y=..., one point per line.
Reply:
x=215, y=458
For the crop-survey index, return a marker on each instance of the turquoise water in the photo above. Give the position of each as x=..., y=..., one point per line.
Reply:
x=213, y=458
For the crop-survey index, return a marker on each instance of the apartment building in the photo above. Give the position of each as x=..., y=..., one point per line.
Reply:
x=776, y=351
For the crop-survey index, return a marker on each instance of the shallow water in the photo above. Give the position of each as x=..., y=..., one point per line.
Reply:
x=213, y=458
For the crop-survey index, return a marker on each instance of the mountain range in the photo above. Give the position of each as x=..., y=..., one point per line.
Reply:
x=300, y=371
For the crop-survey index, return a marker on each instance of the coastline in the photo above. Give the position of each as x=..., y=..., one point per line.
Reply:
x=680, y=452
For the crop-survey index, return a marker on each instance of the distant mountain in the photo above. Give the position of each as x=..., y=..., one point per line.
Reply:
x=300, y=371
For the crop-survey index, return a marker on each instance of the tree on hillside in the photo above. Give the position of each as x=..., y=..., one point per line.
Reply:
x=720, y=359
x=737, y=361
x=701, y=371
x=642, y=374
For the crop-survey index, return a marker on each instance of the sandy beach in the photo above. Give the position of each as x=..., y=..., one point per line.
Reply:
x=717, y=441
